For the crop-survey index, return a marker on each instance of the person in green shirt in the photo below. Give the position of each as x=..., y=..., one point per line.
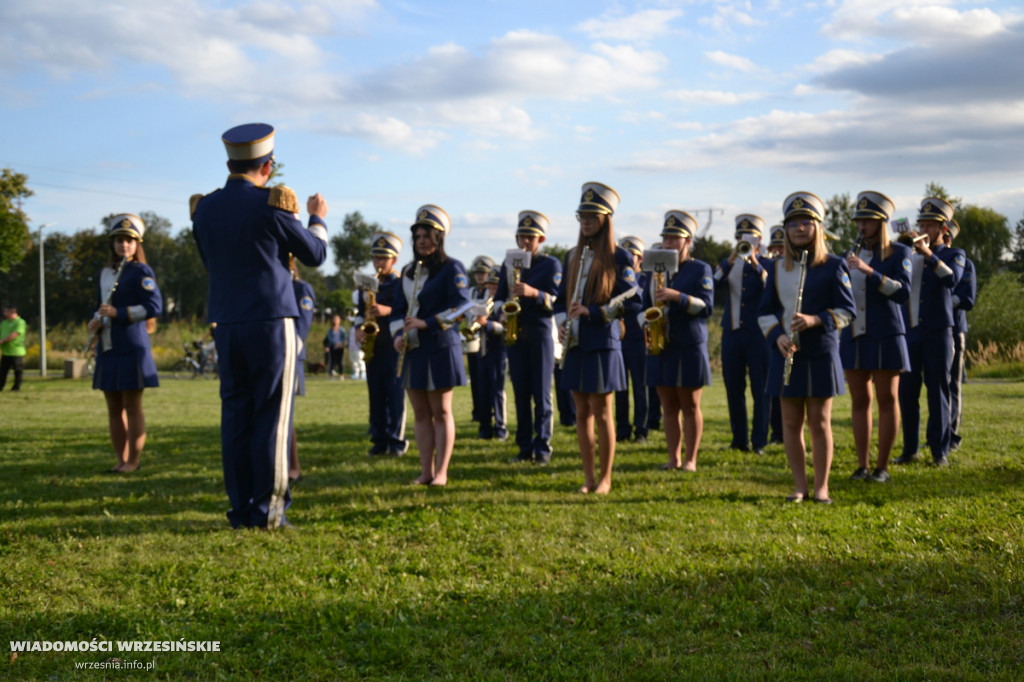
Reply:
x=12, y=346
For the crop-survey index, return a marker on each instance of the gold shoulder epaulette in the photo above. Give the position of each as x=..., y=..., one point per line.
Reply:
x=193, y=201
x=283, y=198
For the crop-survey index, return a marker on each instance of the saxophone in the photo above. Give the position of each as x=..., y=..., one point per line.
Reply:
x=512, y=310
x=577, y=297
x=654, y=320
x=370, y=327
x=795, y=336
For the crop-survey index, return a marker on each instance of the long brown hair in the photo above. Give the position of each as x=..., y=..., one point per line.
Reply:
x=601, y=280
x=884, y=243
x=818, y=249
x=139, y=257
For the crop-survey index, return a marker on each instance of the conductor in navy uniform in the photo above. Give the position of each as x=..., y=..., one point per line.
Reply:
x=245, y=232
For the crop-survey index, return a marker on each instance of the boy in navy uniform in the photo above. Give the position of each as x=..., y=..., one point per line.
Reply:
x=478, y=272
x=776, y=246
x=929, y=321
x=493, y=366
x=743, y=349
x=244, y=233
x=634, y=355
x=387, y=399
x=964, y=295
x=531, y=360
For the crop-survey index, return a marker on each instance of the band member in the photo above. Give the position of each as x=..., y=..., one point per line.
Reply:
x=478, y=272
x=635, y=356
x=964, y=295
x=776, y=248
x=682, y=369
x=928, y=316
x=531, y=358
x=245, y=232
x=493, y=365
x=128, y=296
x=431, y=364
x=387, y=400
x=741, y=277
x=814, y=301
x=307, y=302
x=597, y=274
x=874, y=346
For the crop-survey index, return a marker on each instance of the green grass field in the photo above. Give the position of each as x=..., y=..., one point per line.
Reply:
x=506, y=574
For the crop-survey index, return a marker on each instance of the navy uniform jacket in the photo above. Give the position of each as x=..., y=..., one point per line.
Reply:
x=545, y=275
x=600, y=331
x=752, y=286
x=244, y=239
x=635, y=338
x=932, y=308
x=386, y=288
x=137, y=299
x=964, y=295
x=827, y=294
x=880, y=295
x=447, y=289
x=687, y=318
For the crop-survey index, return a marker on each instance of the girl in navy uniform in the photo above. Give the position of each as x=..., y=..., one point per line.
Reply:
x=827, y=307
x=124, y=363
x=874, y=346
x=776, y=247
x=423, y=323
x=683, y=367
x=593, y=369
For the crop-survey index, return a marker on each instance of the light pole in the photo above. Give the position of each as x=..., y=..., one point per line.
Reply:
x=42, y=304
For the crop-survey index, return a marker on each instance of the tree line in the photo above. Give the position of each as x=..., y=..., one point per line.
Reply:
x=72, y=261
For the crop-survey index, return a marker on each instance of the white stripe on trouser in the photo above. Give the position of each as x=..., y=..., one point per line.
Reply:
x=275, y=515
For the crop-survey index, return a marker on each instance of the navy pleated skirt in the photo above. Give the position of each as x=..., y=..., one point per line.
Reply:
x=130, y=372
x=597, y=371
x=863, y=352
x=812, y=377
x=431, y=371
x=680, y=367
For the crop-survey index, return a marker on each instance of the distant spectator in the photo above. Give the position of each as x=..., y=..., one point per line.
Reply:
x=334, y=348
x=12, y=346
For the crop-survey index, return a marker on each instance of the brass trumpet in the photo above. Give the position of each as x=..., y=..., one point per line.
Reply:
x=906, y=239
x=654, y=320
x=470, y=329
x=744, y=250
x=512, y=308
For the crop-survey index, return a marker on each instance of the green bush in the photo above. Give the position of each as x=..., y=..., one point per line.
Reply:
x=998, y=315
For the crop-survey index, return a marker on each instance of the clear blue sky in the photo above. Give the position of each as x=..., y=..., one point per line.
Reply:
x=494, y=106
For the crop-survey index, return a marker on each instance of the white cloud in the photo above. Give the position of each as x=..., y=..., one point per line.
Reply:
x=837, y=59
x=921, y=22
x=714, y=97
x=729, y=14
x=638, y=27
x=732, y=61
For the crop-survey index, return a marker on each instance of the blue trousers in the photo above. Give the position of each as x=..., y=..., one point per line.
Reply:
x=387, y=399
x=257, y=391
x=531, y=365
x=635, y=358
x=744, y=352
x=931, y=354
x=492, y=372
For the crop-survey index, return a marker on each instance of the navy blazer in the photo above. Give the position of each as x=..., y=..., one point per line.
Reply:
x=964, y=295
x=447, y=289
x=940, y=274
x=545, y=275
x=884, y=291
x=750, y=294
x=827, y=294
x=598, y=331
x=244, y=243
x=137, y=299
x=687, y=318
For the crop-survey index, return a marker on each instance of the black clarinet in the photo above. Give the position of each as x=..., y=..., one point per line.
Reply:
x=106, y=301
